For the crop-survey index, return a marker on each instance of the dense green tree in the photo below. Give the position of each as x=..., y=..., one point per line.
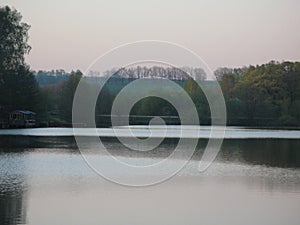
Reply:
x=262, y=95
x=67, y=94
x=18, y=87
x=228, y=83
x=199, y=99
x=50, y=98
x=269, y=93
x=153, y=106
x=13, y=39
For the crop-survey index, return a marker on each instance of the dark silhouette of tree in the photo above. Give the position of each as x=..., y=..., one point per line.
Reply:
x=13, y=39
x=199, y=99
x=67, y=94
x=18, y=87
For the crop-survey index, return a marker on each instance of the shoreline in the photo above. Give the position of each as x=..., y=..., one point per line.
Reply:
x=188, y=132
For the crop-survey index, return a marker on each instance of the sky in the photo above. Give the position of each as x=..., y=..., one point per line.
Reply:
x=70, y=34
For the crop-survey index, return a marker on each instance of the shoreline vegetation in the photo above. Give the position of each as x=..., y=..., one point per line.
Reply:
x=266, y=95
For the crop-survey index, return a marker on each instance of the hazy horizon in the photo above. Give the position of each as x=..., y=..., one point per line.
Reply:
x=69, y=35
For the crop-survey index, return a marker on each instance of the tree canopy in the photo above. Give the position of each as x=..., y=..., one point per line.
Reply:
x=269, y=93
x=18, y=87
x=13, y=39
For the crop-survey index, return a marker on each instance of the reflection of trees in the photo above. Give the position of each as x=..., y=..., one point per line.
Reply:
x=13, y=172
x=12, y=203
x=12, y=180
x=271, y=152
x=10, y=144
x=278, y=153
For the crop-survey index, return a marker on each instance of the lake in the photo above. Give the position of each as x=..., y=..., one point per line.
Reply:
x=255, y=179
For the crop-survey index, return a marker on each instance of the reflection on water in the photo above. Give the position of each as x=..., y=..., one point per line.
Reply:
x=13, y=206
x=269, y=152
x=44, y=180
x=12, y=191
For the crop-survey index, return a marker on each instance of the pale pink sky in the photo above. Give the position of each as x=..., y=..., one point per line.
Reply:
x=69, y=34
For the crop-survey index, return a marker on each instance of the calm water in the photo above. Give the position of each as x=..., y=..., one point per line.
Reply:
x=44, y=180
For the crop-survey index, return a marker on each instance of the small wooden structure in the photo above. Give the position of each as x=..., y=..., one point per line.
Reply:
x=22, y=118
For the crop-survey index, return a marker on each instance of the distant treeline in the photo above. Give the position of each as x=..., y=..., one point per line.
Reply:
x=50, y=77
x=56, y=98
x=56, y=76
x=263, y=95
x=171, y=73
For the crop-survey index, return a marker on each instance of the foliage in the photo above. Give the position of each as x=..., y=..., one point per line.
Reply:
x=269, y=91
x=50, y=77
x=18, y=87
x=13, y=39
x=67, y=94
x=263, y=95
x=198, y=97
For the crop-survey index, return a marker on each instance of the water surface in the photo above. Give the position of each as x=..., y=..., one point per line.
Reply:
x=45, y=180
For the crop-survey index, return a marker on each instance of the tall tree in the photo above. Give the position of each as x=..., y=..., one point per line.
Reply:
x=13, y=39
x=18, y=88
x=68, y=92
